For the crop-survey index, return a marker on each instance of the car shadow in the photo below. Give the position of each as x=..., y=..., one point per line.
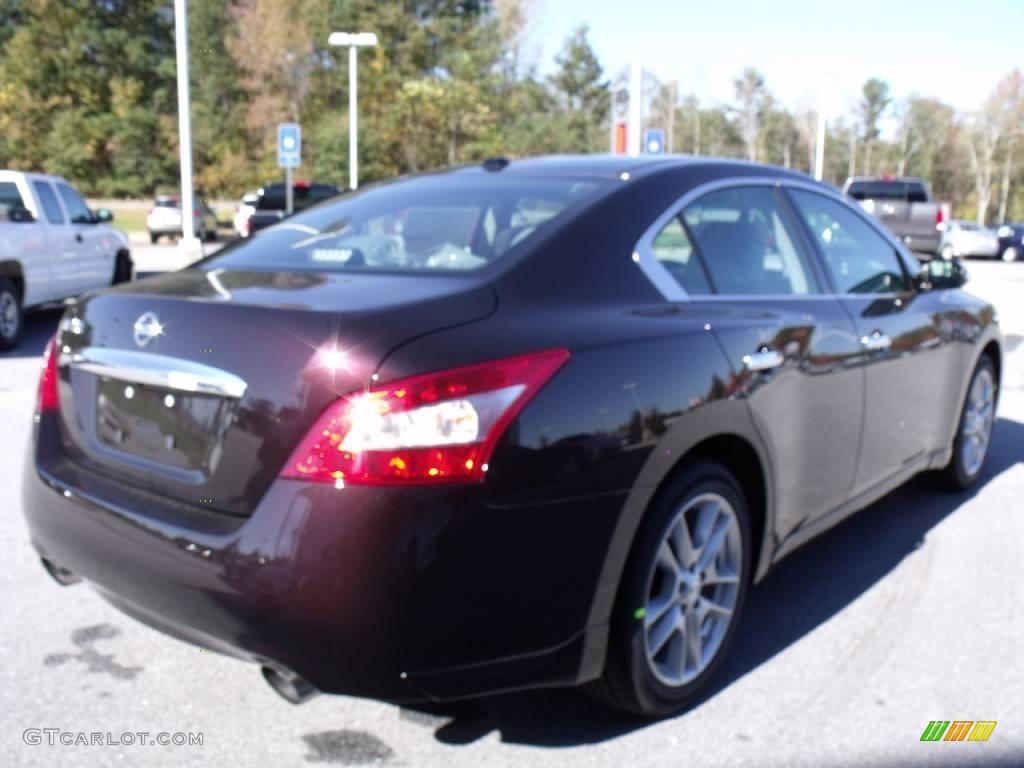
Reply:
x=40, y=325
x=802, y=592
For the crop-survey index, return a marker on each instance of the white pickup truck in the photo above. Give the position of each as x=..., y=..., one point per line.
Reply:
x=52, y=246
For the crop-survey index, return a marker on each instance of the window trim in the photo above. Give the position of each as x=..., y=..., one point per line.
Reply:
x=874, y=225
x=672, y=291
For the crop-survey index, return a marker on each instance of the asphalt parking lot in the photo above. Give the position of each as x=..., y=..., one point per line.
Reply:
x=908, y=612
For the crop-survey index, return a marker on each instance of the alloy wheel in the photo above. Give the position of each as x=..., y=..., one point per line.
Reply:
x=976, y=427
x=692, y=589
x=8, y=315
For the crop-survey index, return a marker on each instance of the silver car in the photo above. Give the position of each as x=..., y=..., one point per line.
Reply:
x=164, y=219
x=965, y=238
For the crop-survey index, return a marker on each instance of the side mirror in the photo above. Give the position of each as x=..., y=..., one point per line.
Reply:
x=940, y=274
x=19, y=214
x=104, y=216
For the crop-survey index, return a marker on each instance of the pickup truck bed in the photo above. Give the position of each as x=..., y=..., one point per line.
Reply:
x=905, y=205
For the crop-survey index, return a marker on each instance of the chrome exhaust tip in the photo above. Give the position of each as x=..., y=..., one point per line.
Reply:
x=62, y=576
x=288, y=685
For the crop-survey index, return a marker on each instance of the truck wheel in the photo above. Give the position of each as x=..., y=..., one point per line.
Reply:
x=11, y=315
x=122, y=268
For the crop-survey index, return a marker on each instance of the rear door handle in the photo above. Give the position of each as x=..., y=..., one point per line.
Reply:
x=876, y=342
x=78, y=236
x=763, y=360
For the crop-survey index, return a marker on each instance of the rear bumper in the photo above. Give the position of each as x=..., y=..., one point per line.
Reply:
x=364, y=591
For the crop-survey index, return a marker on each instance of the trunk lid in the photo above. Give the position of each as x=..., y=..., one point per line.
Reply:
x=196, y=385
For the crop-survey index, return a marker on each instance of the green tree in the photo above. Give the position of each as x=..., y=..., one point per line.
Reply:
x=750, y=95
x=874, y=101
x=581, y=90
x=84, y=84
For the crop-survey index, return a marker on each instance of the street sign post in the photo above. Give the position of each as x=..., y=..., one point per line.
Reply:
x=289, y=155
x=654, y=141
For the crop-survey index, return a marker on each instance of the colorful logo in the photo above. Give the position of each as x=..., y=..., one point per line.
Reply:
x=958, y=730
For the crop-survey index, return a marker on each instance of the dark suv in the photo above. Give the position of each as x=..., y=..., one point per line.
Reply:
x=271, y=205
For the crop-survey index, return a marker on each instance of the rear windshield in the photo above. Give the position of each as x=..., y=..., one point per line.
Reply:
x=168, y=203
x=426, y=224
x=877, y=190
x=303, y=196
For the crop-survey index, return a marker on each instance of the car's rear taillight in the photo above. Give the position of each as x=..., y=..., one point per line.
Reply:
x=940, y=217
x=436, y=428
x=47, y=399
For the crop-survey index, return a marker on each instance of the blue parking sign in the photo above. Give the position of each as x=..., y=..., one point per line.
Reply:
x=289, y=145
x=654, y=141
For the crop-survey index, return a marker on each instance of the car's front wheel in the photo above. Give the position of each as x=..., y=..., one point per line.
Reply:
x=681, y=596
x=974, y=430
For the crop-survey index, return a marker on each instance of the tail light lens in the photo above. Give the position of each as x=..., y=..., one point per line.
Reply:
x=47, y=399
x=432, y=429
x=940, y=217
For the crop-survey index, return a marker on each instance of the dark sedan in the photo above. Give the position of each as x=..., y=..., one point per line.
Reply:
x=533, y=423
x=1011, y=241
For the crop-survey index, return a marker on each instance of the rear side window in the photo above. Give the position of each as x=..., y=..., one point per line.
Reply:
x=425, y=224
x=672, y=247
x=10, y=197
x=746, y=245
x=51, y=206
x=859, y=258
x=877, y=190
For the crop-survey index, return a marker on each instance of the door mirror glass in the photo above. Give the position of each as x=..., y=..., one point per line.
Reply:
x=104, y=216
x=945, y=274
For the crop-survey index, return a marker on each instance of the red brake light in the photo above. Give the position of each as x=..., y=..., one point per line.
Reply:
x=47, y=399
x=940, y=216
x=436, y=428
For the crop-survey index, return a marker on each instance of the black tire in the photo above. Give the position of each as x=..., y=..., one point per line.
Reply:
x=628, y=682
x=153, y=237
x=954, y=476
x=122, y=268
x=11, y=327
x=211, y=237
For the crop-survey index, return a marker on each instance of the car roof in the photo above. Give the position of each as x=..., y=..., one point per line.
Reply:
x=609, y=166
x=883, y=179
x=9, y=175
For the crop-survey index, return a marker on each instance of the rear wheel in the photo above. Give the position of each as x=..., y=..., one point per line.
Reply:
x=974, y=430
x=1010, y=254
x=11, y=314
x=681, y=596
x=153, y=237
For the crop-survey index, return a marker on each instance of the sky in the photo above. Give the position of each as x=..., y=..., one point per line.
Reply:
x=807, y=50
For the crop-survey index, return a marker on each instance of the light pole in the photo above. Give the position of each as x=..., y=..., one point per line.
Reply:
x=353, y=40
x=190, y=244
